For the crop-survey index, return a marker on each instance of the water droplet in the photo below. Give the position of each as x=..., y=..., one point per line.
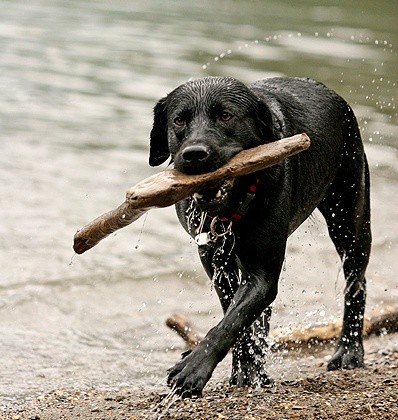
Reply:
x=71, y=260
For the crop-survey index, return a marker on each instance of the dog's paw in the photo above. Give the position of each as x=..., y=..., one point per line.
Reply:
x=190, y=375
x=347, y=356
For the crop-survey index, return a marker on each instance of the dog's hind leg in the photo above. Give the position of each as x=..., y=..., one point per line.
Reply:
x=249, y=354
x=346, y=209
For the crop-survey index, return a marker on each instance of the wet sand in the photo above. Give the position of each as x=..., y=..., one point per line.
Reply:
x=308, y=392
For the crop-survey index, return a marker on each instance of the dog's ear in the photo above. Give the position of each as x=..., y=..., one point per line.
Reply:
x=270, y=127
x=159, y=148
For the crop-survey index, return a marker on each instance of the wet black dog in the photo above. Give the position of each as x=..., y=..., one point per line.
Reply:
x=242, y=227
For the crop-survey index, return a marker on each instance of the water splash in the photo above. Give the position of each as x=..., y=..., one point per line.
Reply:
x=71, y=260
x=141, y=231
x=164, y=406
x=340, y=44
x=340, y=270
x=222, y=259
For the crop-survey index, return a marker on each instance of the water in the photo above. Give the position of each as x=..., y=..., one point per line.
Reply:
x=78, y=81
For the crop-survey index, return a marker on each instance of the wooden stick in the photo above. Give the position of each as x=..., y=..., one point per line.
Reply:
x=170, y=186
x=378, y=323
x=184, y=329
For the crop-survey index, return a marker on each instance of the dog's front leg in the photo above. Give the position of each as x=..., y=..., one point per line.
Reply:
x=189, y=376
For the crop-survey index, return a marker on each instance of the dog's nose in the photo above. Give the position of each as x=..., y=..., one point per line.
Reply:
x=195, y=153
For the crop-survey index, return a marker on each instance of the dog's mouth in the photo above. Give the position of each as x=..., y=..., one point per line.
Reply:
x=213, y=199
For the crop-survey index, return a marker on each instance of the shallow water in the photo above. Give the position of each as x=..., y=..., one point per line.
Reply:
x=78, y=81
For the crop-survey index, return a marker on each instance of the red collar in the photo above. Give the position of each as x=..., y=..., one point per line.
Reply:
x=244, y=204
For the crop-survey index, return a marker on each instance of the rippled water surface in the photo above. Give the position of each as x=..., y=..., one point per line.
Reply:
x=78, y=81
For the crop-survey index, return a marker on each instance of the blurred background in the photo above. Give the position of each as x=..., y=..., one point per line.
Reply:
x=78, y=81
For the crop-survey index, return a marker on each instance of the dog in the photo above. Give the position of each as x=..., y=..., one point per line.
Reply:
x=241, y=227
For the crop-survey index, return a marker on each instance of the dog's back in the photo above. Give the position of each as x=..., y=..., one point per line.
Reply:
x=305, y=105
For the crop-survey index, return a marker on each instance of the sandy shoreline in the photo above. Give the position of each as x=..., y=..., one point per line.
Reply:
x=313, y=393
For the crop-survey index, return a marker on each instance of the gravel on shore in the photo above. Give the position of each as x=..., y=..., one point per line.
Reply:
x=368, y=393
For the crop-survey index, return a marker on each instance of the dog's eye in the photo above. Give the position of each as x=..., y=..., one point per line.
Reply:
x=179, y=121
x=225, y=116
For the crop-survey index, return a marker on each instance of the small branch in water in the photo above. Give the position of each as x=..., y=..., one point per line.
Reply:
x=184, y=329
x=382, y=322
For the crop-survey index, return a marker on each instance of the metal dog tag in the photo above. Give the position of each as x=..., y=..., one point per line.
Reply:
x=202, y=238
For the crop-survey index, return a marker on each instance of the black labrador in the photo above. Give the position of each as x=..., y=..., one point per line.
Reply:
x=241, y=227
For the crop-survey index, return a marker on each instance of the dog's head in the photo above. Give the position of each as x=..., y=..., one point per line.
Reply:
x=203, y=123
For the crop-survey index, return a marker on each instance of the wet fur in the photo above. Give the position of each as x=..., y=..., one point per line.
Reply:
x=332, y=175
